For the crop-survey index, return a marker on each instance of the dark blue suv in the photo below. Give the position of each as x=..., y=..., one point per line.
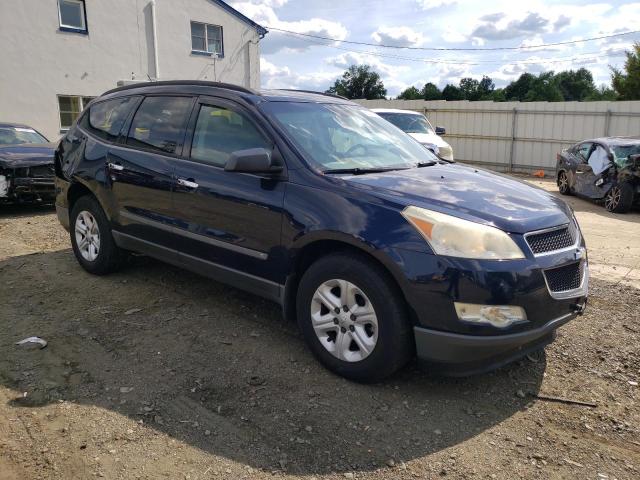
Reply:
x=379, y=249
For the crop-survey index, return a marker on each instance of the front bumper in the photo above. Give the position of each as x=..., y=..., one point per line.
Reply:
x=21, y=185
x=459, y=355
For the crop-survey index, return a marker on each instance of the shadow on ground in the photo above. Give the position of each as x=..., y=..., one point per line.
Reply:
x=220, y=370
x=25, y=210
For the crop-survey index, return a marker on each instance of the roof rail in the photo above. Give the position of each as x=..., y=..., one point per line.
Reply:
x=200, y=83
x=326, y=94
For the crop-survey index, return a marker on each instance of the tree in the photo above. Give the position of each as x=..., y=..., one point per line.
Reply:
x=544, y=88
x=517, y=91
x=411, y=93
x=576, y=85
x=359, y=81
x=627, y=83
x=431, y=92
x=469, y=89
x=603, y=93
x=451, y=92
x=486, y=88
x=498, y=95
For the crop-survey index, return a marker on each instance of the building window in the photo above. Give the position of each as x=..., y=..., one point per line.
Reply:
x=70, y=109
x=72, y=15
x=206, y=39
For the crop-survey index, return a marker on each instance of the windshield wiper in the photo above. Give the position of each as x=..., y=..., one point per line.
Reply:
x=361, y=170
x=426, y=164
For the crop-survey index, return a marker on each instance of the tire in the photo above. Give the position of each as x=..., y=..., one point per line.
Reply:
x=563, y=184
x=620, y=198
x=387, y=334
x=107, y=257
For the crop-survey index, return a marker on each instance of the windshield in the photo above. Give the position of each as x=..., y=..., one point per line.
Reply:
x=18, y=135
x=346, y=136
x=621, y=153
x=408, y=122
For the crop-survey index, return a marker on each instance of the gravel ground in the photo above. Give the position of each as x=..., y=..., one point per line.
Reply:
x=155, y=372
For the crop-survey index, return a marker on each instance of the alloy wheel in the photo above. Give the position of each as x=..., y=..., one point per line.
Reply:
x=87, y=236
x=563, y=183
x=344, y=320
x=612, y=199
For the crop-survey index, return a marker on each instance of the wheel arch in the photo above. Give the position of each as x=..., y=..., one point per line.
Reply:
x=317, y=246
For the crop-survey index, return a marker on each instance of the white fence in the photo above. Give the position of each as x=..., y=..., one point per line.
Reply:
x=520, y=137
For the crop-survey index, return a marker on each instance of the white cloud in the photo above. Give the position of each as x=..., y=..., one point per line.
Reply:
x=345, y=60
x=398, y=36
x=264, y=14
x=433, y=4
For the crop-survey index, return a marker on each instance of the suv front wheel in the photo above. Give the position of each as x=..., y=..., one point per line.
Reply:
x=91, y=238
x=354, y=318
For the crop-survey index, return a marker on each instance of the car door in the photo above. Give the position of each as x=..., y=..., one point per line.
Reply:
x=229, y=219
x=141, y=171
x=584, y=173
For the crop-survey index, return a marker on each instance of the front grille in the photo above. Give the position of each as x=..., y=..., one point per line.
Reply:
x=41, y=171
x=565, y=278
x=549, y=241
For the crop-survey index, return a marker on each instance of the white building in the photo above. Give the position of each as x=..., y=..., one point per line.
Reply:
x=58, y=54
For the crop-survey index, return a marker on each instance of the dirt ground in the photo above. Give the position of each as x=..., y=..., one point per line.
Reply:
x=155, y=372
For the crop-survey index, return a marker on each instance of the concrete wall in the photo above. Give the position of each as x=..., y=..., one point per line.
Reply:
x=39, y=62
x=521, y=137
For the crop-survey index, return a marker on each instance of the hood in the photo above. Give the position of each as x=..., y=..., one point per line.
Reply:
x=470, y=193
x=430, y=138
x=26, y=155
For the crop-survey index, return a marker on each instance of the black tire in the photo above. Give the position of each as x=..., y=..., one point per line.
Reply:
x=620, y=198
x=395, y=344
x=563, y=184
x=110, y=257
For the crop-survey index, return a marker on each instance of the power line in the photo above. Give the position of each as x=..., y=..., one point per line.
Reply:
x=583, y=59
x=457, y=49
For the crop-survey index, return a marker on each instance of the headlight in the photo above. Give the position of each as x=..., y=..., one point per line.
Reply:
x=434, y=148
x=455, y=237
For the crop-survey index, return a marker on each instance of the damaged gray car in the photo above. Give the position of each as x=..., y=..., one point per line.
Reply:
x=26, y=165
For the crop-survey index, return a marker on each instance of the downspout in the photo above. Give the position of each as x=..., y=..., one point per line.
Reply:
x=155, y=39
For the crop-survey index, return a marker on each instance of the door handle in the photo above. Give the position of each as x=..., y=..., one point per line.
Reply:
x=187, y=183
x=115, y=167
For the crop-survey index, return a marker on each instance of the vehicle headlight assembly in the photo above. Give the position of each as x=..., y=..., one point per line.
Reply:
x=454, y=237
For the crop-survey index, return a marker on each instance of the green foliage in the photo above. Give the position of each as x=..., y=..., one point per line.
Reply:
x=411, y=93
x=431, y=92
x=451, y=92
x=576, y=85
x=627, y=83
x=544, y=88
x=603, y=93
x=359, y=81
x=517, y=91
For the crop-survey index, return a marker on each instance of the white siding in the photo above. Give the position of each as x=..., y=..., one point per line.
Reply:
x=40, y=62
x=482, y=132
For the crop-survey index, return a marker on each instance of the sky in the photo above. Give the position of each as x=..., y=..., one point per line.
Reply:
x=293, y=61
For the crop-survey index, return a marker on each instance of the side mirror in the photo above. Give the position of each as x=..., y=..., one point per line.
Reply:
x=440, y=131
x=252, y=160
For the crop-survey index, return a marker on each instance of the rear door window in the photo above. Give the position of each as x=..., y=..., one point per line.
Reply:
x=582, y=151
x=159, y=124
x=105, y=119
x=219, y=132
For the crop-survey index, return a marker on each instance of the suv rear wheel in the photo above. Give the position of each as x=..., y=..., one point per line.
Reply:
x=353, y=318
x=91, y=238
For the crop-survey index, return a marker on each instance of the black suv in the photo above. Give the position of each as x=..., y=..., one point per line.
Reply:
x=378, y=248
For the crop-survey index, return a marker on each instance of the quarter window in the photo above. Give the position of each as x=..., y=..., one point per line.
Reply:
x=206, y=38
x=220, y=132
x=583, y=151
x=159, y=124
x=105, y=119
x=72, y=15
x=70, y=107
